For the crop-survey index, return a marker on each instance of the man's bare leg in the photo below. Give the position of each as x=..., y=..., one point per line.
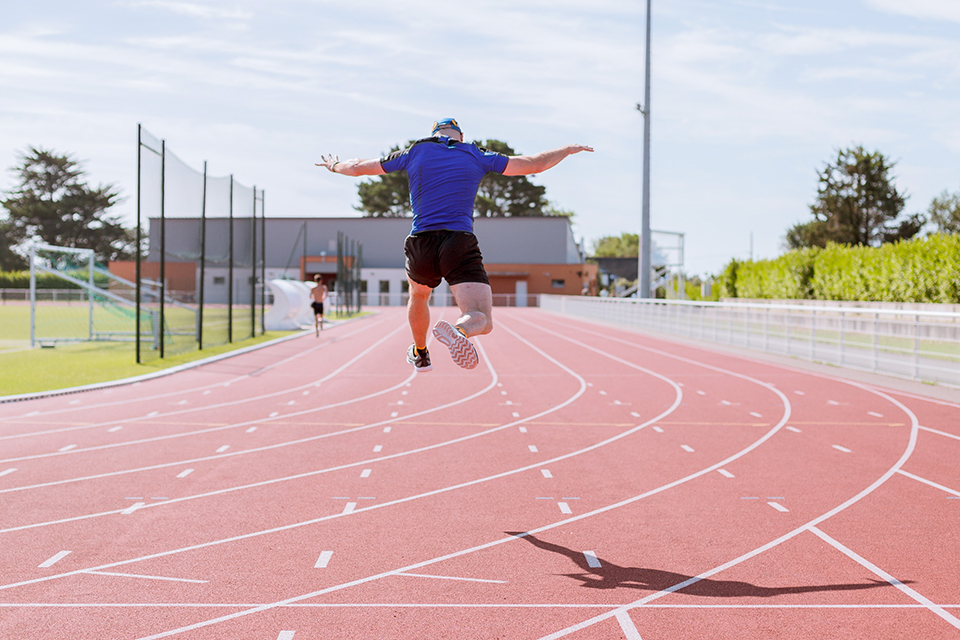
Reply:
x=418, y=312
x=475, y=300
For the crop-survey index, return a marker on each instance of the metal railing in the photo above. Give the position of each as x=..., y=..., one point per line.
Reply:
x=915, y=344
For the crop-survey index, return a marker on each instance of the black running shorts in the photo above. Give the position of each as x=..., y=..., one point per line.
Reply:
x=451, y=255
x=317, y=308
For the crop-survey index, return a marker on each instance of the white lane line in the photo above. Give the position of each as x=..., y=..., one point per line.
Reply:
x=779, y=507
x=874, y=414
x=941, y=433
x=223, y=448
x=387, y=429
x=503, y=393
x=833, y=403
x=378, y=448
x=206, y=393
x=928, y=482
x=251, y=429
x=523, y=429
x=627, y=626
x=8, y=471
x=184, y=473
x=701, y=393
x=839, y=448
x=592, y=559
x=182, y=402
x=292, y=403
x=546, y=473
x=687, y=448
x=350, y=507
x=153, y=414
x=725, y=473
x=306, y=393
x=31, y=414
x=635, y=414
x=726, y=403
x=394, y=414
x=617, y=402
x=508, y=402
x=323, y=560
x=516, y=415
x=937, y=609
x=425, y=575
x=564, y=507
x=132, y=508
x=274, y=414
x=365, y=473
x=603, y=393
x=794, y=429
x=136, y=575
x=67, y=448
x=52, y=561
x=114, y=429
x=756, y=415
x=286, y=635
x=658, y=429
x=533, y=448
x=800, y=393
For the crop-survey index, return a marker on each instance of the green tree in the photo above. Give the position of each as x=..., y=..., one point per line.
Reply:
x=626, y=245
x=9, y=260
x=53, y=204
x=944, y=212
x=498, y=195
x=857, y=204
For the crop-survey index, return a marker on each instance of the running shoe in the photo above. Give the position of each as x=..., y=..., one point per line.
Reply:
x=461, y=349
x=419, y=358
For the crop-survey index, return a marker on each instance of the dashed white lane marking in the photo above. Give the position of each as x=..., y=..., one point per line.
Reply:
x=137, y=575
x=701, y=393
x=725, y=473
x=74, y=402
x=424, y=575
x=274, y=414
x=132, y=508
x=292, y=403
x=658, y=429
x=306, y=393
x=184, y=473
x=8, y=471
x=286, y=635
x=386, y=429
x=324, y=558
x=394, y=414
x=251, y=429
x=687, y=448
x=564, y=507
x=182, y=402
x=779, y=507
x=627, y=626
x=399, y=402
x=52, y=561
x=31, y=414
x=794, y=429
x=366, y=473
x=839, y=448
x=223, y=448
x=114, y=429
x=800, y=393
x=603, y=393
x=350, y=507
x=546, y=473
x=617, y=402
x=207, y=392
x=833, y=402
x=756, y=415
x=523, y=429
x=533, y=448
x=635, y=414
x=592, y=559
x=726, y=403
x=67, y=448
x=378, y=448
x=874, y=414
x=508, y=402
x=153, y=414
x=516, y=415
x=403, y=393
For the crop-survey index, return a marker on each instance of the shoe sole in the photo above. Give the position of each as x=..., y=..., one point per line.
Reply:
x=461, y=350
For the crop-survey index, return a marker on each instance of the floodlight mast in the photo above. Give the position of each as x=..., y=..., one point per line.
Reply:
x=644, y=267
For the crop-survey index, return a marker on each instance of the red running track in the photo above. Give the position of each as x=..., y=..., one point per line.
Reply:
x=582, y=482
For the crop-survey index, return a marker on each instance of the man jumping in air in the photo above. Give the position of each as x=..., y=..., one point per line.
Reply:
x=319, y=294
x=444, y=174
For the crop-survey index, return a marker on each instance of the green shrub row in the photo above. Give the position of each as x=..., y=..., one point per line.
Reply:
x=919, y=270
x=21, y=280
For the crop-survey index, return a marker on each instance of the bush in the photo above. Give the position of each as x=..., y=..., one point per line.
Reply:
x=21, y=280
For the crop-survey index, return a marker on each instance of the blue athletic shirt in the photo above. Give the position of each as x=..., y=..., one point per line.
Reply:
x=444, y=177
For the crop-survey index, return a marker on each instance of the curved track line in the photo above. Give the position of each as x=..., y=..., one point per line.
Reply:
x=192, y=409
x=770, y=545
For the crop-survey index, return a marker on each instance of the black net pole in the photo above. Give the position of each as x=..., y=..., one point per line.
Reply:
x=340, y=278
x=263, y=261
x=163, y=238
x=230, y=271
x=203, y=258
x=359, y=267
x=253, y=268
x=139, y=240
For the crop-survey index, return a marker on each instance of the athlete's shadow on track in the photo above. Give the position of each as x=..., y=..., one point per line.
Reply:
x=612, y=576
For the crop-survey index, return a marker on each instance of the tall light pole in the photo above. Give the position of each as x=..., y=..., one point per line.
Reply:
x=644, y=273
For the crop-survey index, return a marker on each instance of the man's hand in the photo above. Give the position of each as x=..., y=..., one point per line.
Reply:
x=354, y=167
x=328, y=161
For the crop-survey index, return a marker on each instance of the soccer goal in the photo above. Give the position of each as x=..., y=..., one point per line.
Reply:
x=73, y=299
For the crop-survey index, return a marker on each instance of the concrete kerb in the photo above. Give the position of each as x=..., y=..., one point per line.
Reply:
x=166, y=372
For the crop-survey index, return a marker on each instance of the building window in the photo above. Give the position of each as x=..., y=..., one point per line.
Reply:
x=219, y=280
x=558, y=284
x=384, y=286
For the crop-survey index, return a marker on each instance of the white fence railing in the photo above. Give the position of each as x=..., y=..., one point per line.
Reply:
x=920, y=345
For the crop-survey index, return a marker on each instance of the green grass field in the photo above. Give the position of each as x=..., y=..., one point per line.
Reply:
x=25, y=370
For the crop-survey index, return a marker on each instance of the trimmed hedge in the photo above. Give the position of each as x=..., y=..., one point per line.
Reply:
x=920, y=270
x=21, y=280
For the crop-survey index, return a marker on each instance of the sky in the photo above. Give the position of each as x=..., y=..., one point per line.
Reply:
x=749, y=98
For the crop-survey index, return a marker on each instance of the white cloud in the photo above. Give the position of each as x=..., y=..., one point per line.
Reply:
x=923, y=9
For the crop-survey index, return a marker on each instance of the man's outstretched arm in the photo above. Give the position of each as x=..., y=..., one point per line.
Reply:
x=354, y=167
x=525, y=165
